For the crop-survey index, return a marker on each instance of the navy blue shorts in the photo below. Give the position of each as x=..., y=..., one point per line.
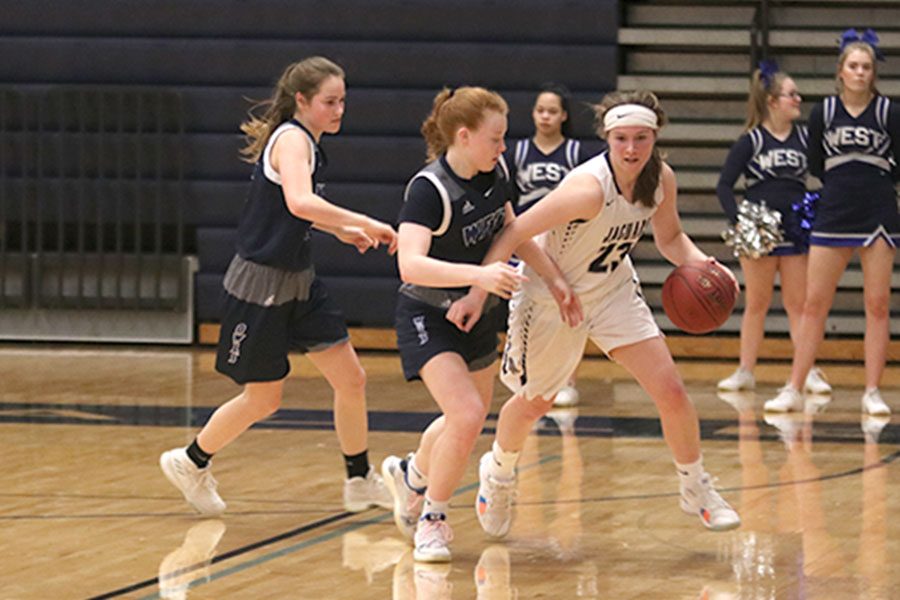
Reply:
x=423, y=332
x=255, y=338
x=855, y=211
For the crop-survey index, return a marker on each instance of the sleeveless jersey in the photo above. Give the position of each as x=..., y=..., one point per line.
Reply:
x=470, y=219
x=536, y=173
x=774, y=171
x=594, y=255
x=854, y=145
x=268, y=234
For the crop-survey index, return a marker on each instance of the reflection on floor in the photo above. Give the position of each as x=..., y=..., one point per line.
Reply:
x=86, y=512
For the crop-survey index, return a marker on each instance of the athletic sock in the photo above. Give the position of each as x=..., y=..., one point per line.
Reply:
x=434, y=507
x=504, y=464
x=414, y=478
x=197, y=455
x=357, y=464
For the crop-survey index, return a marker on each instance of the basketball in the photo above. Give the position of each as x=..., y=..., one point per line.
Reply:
x=698, y=297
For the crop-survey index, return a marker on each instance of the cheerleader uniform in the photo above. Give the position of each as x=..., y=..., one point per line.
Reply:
x=536, y=173
x=775, y=172
x=856, y=159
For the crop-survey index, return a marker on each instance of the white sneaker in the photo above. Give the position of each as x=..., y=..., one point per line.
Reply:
x=197, y=485
x=703, y=500
x=816, y=382
x=361, y=493
x=742, y=379
x=568, y=396
x=787, y=400
x=432, y=539
x=493, y=503
x=873, y=404
x=190, y=561
x=406, y=502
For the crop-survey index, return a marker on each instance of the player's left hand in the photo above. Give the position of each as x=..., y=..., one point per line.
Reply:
x=465, y=312
x=567, y=301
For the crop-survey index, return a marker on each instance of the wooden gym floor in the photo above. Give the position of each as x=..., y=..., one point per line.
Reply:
x=86, y=513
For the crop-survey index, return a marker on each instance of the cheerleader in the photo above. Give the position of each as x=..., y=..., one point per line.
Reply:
x=772, y=157
x=854, y=141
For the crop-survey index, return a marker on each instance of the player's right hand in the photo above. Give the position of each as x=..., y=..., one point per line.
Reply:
x=382, y=233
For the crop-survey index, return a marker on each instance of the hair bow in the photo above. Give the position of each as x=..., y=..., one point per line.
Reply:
x=868, y=37
x=767, y=71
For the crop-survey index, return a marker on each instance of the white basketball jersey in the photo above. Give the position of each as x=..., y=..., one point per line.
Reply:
x=594, y=255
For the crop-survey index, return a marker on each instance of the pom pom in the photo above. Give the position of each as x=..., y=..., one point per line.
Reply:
x=757, y=231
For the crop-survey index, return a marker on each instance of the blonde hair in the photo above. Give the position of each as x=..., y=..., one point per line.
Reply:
x=452, y=109
x=842, y=58
x=760, y=93
x=305, y=76
x=648, y=180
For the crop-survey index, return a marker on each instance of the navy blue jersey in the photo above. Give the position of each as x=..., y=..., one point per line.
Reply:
x=774, y=170
x=463, y=215
x=856, y=159
x=863, y=146
x=536, y=173
x=268, y=234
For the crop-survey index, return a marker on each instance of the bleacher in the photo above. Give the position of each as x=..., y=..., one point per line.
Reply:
x=396, y=54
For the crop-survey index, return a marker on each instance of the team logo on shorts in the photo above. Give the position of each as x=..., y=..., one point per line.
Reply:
x=419, y=323
x=237, y=337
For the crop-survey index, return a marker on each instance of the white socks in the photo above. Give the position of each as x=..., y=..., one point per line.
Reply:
x=504, y=464
x=690, y=473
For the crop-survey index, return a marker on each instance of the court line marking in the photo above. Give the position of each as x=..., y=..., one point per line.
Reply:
x=287, y=550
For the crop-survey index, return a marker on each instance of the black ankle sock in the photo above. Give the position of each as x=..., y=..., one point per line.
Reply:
x=357, y=465
x=197, y=455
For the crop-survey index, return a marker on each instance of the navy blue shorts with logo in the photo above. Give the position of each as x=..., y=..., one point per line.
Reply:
x=268, y=313
x=423, y=332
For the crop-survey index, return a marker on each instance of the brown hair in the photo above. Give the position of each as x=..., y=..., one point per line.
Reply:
x=760, y=93
x=452, y=109
x=648, y=180
x=305, y=76
x=842, y=58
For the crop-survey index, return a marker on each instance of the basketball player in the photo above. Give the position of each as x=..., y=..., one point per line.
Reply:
x=854, y=143
x=453, y=209
x=772, y=157
x=538, y=164
x=590, y=224
x=274, y=302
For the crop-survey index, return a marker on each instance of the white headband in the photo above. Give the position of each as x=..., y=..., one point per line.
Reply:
x=630, y=115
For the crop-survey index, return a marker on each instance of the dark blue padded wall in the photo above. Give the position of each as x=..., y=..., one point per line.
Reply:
x=397, y=54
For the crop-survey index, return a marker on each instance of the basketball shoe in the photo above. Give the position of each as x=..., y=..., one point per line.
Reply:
x=700, y=498
x=190, y=561
x=197, y=485
x=406, y=502
x=493, y=503
x=432, y=539
x=361, y=493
